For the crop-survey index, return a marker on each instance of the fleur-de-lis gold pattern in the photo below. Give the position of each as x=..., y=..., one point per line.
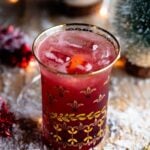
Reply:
x=100, y=97
x=57, y=138
x=57, y=128
x=88, y=91
x=100, y=133
x=61, y=91
x=75, y=105
x=88, y=129
x=73, y=131
x=51, y=98
x=100, y=123
x=88, y=139
x=72, y=141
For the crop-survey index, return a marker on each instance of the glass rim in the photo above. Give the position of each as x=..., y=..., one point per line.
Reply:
x=117, y=49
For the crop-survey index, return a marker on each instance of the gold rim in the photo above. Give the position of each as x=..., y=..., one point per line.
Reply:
x=92, y=28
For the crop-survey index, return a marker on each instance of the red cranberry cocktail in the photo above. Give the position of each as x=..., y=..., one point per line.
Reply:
x=75, y=62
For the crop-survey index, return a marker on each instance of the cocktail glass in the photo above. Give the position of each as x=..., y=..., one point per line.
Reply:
x=74, y=106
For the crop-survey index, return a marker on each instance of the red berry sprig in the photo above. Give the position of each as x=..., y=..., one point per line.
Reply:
x=14, y=51
x=7, y=119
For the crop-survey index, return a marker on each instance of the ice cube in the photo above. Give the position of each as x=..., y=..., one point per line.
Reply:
x=73, y=45
x=88, y=67
x=94, y=47
x=76, y=41
x=73, y=42
x=83, y=68
x=57, y=57
x=103, y=62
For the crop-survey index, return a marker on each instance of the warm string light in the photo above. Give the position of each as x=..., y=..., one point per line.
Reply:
x=39, y=122
x=32, y=70
x=13, y=1
x=104, y=9
x=103, y=12
x=32, y=64
x=120, y=63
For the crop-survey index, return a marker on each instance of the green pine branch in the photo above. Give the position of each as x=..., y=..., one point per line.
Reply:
x=132, y=21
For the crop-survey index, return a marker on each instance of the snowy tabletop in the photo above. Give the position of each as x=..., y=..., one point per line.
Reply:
x=128, y=110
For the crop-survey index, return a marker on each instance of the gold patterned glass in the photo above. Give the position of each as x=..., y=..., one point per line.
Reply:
x=74, y=105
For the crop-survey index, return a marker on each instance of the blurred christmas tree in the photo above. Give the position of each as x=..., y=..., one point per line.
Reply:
x=132, y=22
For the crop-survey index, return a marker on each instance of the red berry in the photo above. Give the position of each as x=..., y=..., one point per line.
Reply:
x=13, y=48
x=25, y=48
